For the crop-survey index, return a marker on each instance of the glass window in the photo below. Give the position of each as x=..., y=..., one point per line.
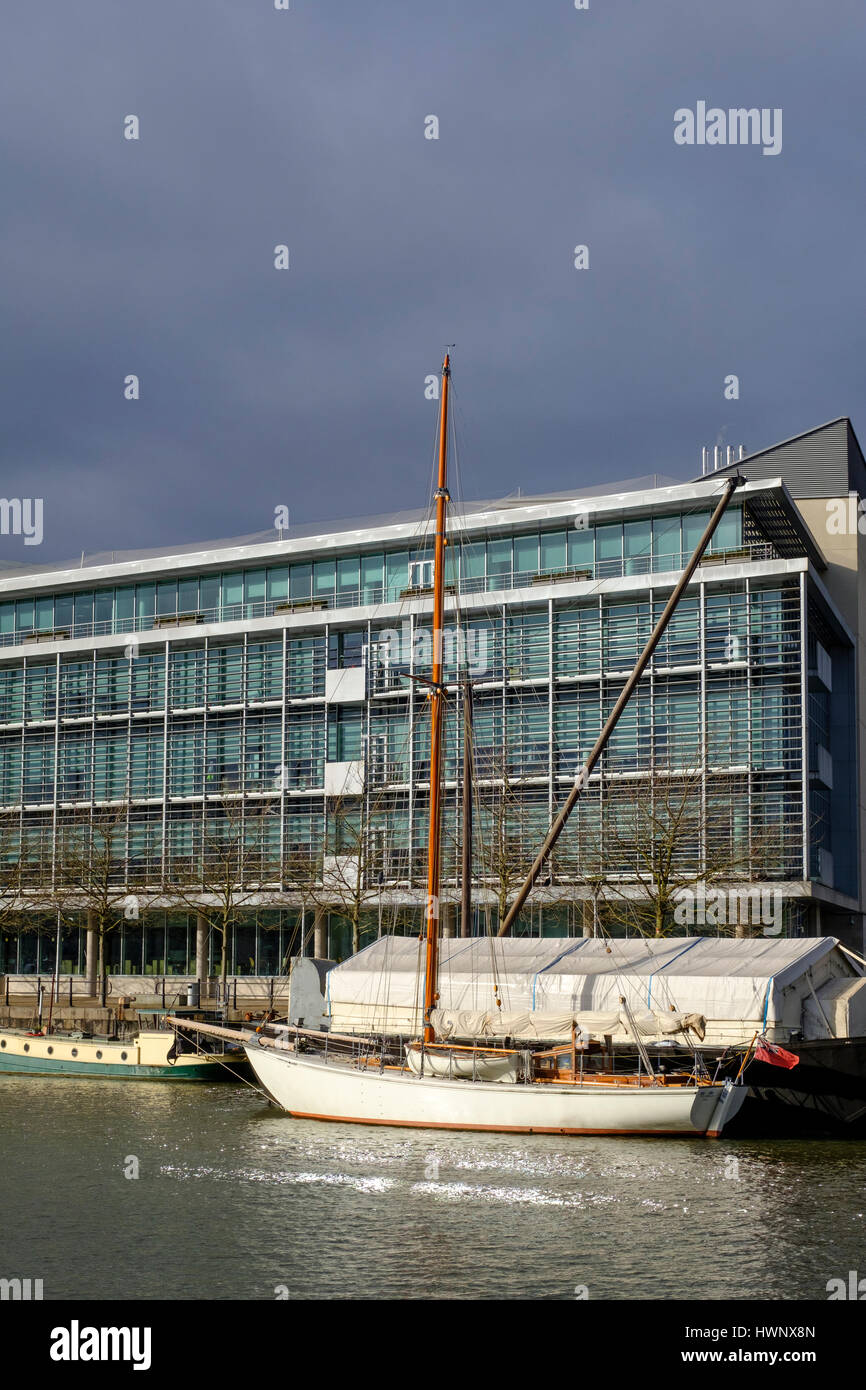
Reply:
x=553, y=548
x=209, y=593
x=609, y=548
x=45, y=613
x=694, y=526
x=344, y=734
x=300, y=580
x=372, y=577
x=472, y=565
x=666, y=537
x=278, y=584
x=637, y=546
x=166, y=597
x=145, y=601
x=581, y=549
x=7, y=617
x=232, y=589
x=396, y=574
x=254, y=586
x=24, y=615
x=348, y=576
x=729, y=532
x=525, y=555
x=154, y=945
x=103, y=608
x=324, y=578
x=187, y=596
x=177, y=961
x=124, y=607
x=499, y=557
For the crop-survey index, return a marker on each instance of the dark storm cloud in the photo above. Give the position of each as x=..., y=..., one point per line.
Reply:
x=306, y=387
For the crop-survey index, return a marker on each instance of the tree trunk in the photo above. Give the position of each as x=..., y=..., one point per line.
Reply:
x=103, y=982
x=224, y=963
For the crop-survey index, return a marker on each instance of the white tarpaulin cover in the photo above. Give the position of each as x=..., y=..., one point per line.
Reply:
x=738, y=986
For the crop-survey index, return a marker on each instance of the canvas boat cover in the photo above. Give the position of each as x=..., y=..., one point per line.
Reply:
x=726, y=988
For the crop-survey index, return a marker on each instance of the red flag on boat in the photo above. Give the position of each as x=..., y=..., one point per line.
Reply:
x=776, y=1056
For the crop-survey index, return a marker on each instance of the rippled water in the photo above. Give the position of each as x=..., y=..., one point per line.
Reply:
x=236, y=1200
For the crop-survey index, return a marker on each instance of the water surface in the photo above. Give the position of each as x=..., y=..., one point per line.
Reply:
x=236, y=1200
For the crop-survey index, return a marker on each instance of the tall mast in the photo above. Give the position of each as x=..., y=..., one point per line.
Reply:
x=583, y=773
x=437, y=696
x=466, y=870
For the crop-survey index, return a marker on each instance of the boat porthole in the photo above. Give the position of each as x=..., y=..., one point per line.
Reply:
x=123, y=1056
x=50, y=1050
x=26, y=1047
x=2, y=1042
x=98, y=1055
x=75, y=1051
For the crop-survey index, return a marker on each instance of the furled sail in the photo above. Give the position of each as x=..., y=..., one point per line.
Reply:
x=544, y=1025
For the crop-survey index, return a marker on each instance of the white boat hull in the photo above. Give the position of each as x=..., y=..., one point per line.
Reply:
x=308, y=1087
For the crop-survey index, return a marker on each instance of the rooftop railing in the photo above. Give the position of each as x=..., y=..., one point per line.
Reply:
x=374, y=595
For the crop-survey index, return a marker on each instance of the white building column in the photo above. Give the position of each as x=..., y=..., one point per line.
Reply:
x=320, y=934
x=201, y=970
x=91, y=958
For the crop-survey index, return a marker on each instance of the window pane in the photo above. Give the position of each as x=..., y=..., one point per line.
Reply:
x=608, y=545
x=499, y=556
x=348, y=575
x=124, y=604
x=526, y=554
x=209, y=592
x=104, y=605
x=729, y=534
x=324, y=578
x=254, y=586
x=300, y=579
x=637, y=544
x=581, y=548
x=187, y=595
x=372, y=577
x=694, y=526
x=396, y=574
x=472, y=564
x=232, y=589
x=45, y=614
x=553, y=547
x=278, y=583
x=145, y=599
x=166, y=597
x=666, y=536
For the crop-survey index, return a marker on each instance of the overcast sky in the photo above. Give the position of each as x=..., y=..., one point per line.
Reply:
x=305, y=387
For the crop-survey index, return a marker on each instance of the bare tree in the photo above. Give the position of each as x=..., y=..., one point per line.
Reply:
x=90, y=877
x=351, y=875
x=231, y=866
x=668, y=840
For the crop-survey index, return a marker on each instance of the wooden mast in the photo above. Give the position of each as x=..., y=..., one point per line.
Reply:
x=583, y=773
x=466, y=868
x=437, y=696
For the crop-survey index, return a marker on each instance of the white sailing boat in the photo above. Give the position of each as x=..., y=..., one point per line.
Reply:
x=434, y=1083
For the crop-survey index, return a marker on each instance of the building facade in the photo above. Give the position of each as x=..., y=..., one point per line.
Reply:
x=266, y=690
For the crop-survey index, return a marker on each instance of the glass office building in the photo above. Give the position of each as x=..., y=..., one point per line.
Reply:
x=269, y=684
